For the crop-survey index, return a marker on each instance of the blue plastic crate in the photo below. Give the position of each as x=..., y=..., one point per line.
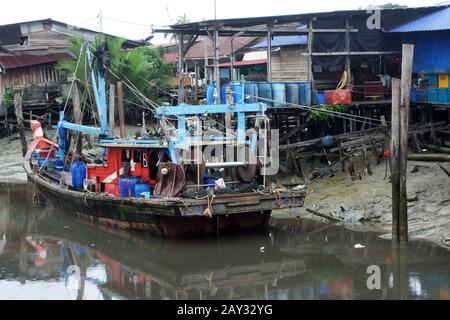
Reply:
x=421, y=95
x=433, y=95
x=443, y=96
x=433, y=80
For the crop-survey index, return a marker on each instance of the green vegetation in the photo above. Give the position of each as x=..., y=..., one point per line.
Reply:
x=8, y=97
x=320, y=114
x=144, y=68
x=393, y=6
x=180, y=20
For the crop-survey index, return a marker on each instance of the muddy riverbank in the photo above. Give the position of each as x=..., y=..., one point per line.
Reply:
x=368, y=199
x=366, y=204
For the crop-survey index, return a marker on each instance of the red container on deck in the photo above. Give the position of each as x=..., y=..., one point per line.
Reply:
x=338, y=97
x=44, y=153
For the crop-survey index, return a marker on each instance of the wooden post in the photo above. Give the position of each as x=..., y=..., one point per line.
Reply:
x=112, y=108
x=269, y=54
x=49, y=113
x=180, y=69
x=310, y=59
x=348, y=66
x=232, y=60
x=407, y=62
x=395, y=158
x=217, y=66
x=228, y=115
x=196, y=81
x=78, y=118
x=19, y=116
x=123, y=133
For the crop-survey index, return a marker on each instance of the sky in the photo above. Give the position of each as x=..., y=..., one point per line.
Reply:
x=133, y=19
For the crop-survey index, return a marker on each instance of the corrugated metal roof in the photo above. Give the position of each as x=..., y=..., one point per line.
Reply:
x=241, y=63
x=280, y=41
x=436, y=21
x=20, y=61
x=171, y=57
x=204, y=47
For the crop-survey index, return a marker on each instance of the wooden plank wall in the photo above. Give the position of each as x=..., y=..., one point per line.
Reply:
x=289, y=64
x=41, y=74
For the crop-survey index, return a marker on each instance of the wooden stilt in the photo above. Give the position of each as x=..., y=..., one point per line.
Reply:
x=112, y=109
x=19, y=117
x=407, y=62
x=395, y=158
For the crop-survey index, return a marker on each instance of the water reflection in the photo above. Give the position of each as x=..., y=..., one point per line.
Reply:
x=46, y=255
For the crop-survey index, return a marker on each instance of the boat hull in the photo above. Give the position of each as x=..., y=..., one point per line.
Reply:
x=170, y=217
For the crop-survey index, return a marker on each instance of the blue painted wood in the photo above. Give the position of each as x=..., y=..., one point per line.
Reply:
x=187, y=110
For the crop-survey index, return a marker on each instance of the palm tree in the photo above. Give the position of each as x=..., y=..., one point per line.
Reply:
x=180, y=20
x=142, y=68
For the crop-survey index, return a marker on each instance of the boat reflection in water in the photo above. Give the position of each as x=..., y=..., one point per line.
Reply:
x=44, y=255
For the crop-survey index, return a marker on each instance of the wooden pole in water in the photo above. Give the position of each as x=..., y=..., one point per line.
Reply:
x=19, y=116
x=395, y=158
x=123, y=133
x=407, y=62
x=112, y=109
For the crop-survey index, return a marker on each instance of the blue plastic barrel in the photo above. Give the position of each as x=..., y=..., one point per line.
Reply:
x=141, y=188
x=251, y=90
x=320, y=98
x=292, y=93
x=123, y=187
x=223, y=93
x=207, y=180
x=307, y=91
x=127, y=186
x=59, y=165
x=302, y=92
x=265, y=92
x=78, y=174
x=210, y=94
x=279, y=94
x=238, y=96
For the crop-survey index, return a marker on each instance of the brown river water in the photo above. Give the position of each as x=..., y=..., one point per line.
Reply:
x=46, y=254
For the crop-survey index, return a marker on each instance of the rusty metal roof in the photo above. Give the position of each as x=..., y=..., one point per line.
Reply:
x=21, y=61
x=204, y=47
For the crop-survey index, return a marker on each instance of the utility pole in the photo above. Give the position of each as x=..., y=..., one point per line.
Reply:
x=215, y=9
x=100, y=17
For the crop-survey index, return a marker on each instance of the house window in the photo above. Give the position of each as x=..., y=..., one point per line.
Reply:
x=24, y=41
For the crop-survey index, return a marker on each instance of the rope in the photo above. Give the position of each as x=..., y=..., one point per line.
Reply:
x=336, y=114
x=209, y=210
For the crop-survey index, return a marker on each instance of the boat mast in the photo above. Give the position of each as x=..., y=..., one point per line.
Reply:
x=99, y=93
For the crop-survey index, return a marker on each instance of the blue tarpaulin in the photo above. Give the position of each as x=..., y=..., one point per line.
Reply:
x=431, y=36
x=431, y=51
x=435, y=21
x=280, y=41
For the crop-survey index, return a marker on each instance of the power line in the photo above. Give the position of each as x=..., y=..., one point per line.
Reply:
x=127, y=22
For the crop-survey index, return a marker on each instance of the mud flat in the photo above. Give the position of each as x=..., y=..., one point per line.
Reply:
x=366, y=204
x=11, y=169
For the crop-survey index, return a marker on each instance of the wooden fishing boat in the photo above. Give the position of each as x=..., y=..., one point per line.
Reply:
x=148, y=183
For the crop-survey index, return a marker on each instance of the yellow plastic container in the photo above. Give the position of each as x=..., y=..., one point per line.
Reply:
x=443, y=81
